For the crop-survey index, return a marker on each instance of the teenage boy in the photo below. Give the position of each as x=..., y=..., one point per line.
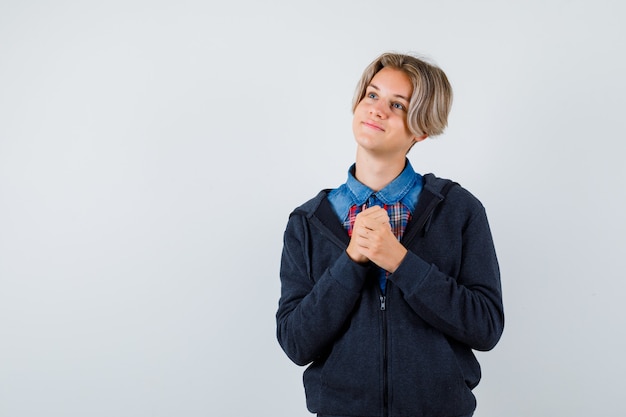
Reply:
x=389, y=282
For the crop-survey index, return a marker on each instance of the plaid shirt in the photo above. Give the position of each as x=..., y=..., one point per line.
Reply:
x=398, y=198
x=399, y=216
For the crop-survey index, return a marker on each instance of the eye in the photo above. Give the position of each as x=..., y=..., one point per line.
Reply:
x=398, y=106
x=371, y=95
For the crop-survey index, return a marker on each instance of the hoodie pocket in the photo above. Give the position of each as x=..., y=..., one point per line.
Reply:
x=429, y=378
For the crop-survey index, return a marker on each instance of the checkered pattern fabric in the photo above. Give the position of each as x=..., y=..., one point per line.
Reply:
x=399, y=216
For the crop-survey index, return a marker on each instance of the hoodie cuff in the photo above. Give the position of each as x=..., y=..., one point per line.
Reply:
x=348, y=273
x=411, y=273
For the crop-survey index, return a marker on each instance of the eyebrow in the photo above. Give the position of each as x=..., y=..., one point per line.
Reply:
x=395, y=95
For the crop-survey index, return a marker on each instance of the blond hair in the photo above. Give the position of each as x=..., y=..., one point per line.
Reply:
x=431, y=100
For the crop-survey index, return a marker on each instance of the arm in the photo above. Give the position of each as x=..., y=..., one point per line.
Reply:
x=467, y=308
x=312, y=312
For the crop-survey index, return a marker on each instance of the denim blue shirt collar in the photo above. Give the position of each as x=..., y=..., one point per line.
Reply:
x=391, y=194
x=404, y=188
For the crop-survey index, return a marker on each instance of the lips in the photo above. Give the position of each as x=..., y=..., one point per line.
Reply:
x=373, y=125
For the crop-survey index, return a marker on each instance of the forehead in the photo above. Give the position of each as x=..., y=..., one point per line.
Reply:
x=393, y=81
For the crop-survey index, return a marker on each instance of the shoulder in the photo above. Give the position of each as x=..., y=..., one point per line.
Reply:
x=308, y=208
x=316, y=213
x=456, y=194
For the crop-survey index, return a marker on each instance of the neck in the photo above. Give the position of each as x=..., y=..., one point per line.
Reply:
x=377, y=173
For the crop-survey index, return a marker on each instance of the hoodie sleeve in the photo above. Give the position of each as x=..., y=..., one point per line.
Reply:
x=467, y=307
x=312, y=311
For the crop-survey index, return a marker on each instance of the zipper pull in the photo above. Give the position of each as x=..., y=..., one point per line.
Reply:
x=382, y=302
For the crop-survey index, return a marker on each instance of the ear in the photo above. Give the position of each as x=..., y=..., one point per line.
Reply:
x=420, y=138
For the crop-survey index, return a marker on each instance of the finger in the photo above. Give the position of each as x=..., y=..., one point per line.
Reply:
x=379, y=223
x=374, y=214
x=372, y=211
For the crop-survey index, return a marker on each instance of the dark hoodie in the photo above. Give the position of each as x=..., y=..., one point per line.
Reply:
x=408, y=353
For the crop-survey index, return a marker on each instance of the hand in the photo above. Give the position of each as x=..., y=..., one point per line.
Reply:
x=372, y=239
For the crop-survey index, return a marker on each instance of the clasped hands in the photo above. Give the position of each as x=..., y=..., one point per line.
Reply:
x=373, y=240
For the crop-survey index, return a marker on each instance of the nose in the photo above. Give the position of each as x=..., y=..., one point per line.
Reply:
x=378, y=109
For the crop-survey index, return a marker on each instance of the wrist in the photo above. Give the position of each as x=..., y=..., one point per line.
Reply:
x=356, y=256
x=397, y=260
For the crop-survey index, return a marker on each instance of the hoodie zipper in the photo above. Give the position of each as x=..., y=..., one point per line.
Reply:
x=383, y=309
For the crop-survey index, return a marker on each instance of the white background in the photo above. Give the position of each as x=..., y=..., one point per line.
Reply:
x=151, y=151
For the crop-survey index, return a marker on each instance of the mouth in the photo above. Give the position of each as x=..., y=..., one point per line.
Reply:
x=374, y=126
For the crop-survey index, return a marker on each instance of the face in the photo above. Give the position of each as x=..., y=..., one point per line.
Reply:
x=379, y=123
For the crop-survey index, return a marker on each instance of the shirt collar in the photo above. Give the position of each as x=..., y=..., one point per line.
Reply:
x=391, y=194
